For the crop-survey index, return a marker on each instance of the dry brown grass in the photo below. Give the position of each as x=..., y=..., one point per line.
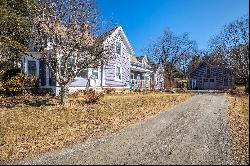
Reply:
x=238, y=113
x=28, y=129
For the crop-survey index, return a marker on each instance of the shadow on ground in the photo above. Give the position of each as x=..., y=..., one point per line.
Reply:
x=22, y=101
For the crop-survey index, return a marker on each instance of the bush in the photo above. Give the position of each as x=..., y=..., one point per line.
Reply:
x=15, y=82
x=93, y=97
x=15, y=85
x=32, y=84
x=88, y=96
x=109, y=90
x=44, y=91
x=78, y=93
x=11, y=73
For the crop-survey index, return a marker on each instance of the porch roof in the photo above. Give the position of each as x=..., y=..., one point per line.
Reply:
x=140, y=69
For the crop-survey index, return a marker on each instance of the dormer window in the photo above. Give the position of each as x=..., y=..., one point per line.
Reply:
x=118, y=49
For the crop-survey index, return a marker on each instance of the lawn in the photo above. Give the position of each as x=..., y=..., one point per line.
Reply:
x=238, y=114
x=35, y=125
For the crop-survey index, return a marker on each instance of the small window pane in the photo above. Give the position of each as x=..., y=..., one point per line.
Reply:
x=138, y=77
x=95, y=73
x=118, y=72
x=32, y=67
x=118, y=48
x=211, y=80
x=83, y=74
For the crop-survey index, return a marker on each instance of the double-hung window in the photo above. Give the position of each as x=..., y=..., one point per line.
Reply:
x=118, y=73
x=32, y=67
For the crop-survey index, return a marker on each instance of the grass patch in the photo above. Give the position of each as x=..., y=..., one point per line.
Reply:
x=238, y=113
x=27, y=130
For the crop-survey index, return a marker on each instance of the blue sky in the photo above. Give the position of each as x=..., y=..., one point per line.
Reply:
x=145, y=20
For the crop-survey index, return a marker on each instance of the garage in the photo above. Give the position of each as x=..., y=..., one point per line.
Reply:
x=209, y=83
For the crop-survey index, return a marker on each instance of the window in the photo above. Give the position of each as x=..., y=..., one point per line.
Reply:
x=32, y=67
x=83, y=73
x=146, y=77
x=138, y=77
x=132, y=76
x=94, y=73
x=118, y=73
x=211, y=80
x=52, y=81
x=205, y=80
x=118, y=48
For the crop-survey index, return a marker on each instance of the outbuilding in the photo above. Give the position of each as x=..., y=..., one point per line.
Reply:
x=210, y=77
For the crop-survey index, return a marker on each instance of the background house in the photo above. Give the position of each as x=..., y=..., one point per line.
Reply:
x=207, y=76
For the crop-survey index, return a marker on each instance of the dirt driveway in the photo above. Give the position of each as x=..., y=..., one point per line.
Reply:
x=194, y=132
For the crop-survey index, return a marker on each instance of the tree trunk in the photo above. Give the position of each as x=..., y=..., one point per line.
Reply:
x=63, y=94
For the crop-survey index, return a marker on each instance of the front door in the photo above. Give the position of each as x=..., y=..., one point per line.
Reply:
x=209, y=83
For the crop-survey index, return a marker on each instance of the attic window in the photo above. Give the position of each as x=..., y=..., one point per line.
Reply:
x=208, y=72
x=118, y=48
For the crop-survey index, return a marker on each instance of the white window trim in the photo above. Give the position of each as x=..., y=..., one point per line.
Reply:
x=118, y=55
x=116, y=79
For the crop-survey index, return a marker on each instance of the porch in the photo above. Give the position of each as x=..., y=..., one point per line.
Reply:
x=137, y=84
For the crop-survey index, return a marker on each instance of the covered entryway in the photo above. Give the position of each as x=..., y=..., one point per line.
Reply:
x=209, y=83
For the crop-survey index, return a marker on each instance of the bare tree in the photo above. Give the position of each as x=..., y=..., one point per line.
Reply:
x=194, y=62
x=66, y=34
x=231, y=48
x=173, y=52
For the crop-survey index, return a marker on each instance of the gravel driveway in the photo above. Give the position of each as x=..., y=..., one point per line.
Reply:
x=194, y=132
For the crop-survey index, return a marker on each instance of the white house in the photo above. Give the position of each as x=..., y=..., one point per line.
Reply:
x=122, y=72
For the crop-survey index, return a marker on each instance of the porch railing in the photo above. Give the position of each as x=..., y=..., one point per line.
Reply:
x=139, y=84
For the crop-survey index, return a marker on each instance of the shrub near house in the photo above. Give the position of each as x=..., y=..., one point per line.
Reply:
x=15, y=82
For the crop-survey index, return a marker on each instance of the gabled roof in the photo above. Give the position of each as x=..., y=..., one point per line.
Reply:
x=207, y=63
x=116, y=30
x=198, y=65
x=104, y=36
x=139, y=61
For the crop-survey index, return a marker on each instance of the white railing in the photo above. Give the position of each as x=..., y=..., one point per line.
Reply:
x=139, y=84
